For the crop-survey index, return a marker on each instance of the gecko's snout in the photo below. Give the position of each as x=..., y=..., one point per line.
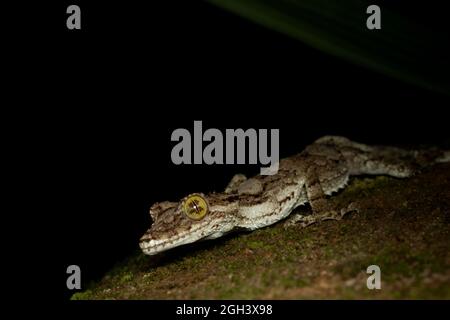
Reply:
x=146, y=237
x=146, y=242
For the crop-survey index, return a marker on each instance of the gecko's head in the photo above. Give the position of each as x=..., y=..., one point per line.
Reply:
x=186, y=221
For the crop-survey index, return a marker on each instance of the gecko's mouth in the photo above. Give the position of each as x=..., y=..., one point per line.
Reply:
x=155, y=246
x=152, y=245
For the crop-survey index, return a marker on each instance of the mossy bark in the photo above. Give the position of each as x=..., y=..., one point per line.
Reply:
x=403, y=227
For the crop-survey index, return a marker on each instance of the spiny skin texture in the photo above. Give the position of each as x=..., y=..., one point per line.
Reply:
x=321, y=169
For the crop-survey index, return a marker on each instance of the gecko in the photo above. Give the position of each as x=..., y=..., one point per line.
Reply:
x=310, y=177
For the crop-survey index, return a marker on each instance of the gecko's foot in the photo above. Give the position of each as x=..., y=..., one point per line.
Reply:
x=299, y=219
x=307, y=220
x=338, y=215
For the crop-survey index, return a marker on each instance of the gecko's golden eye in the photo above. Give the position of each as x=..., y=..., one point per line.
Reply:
x=195, y=207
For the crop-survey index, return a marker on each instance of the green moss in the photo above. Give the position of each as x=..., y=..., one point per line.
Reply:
x=83, y=295
x=127, y=277
x=399, y=229
x=365, y=184
x=255, y=244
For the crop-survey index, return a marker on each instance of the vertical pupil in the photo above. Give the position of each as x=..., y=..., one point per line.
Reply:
x=195, y=206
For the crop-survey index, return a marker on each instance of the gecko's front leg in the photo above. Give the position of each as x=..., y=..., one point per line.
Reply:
x=322, y=208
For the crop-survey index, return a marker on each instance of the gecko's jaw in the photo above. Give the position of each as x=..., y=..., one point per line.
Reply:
x=152, y=245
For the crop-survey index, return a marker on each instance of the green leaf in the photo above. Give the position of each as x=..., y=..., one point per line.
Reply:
x=406, y=47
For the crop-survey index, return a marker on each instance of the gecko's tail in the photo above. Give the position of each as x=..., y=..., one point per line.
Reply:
x=445, y=157
x=431, y=156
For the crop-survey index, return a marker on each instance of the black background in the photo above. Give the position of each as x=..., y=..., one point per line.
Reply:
x=108, y=97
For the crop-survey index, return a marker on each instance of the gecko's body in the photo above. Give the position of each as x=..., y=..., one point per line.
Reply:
x=323, y=168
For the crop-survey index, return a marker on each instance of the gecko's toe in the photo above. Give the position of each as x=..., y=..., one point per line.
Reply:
x=352, y=207
x=300, y=220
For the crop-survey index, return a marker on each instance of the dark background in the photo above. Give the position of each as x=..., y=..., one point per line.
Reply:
x=113, y=93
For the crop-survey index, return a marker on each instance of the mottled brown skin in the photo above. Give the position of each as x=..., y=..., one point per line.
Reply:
x=323, y=168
